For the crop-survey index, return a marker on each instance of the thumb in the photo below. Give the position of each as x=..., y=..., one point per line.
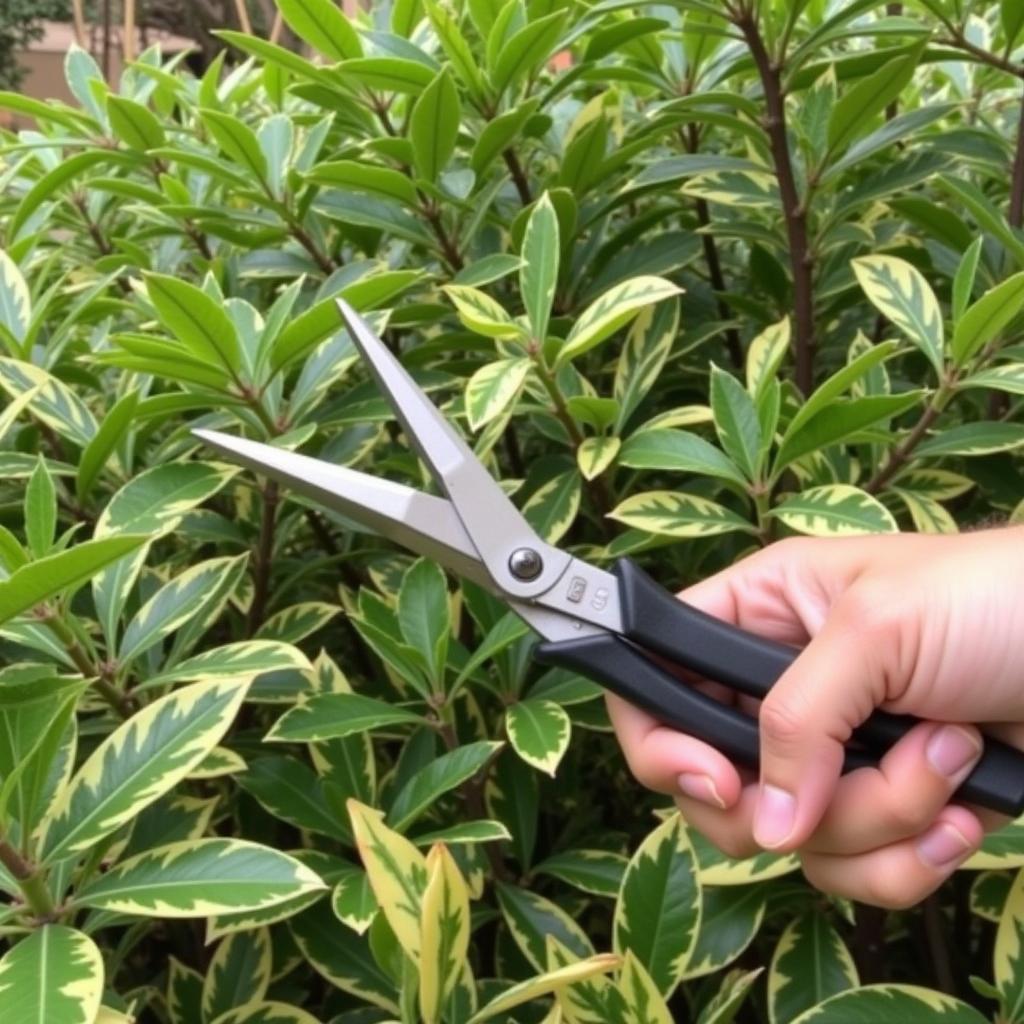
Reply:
x=806, y=719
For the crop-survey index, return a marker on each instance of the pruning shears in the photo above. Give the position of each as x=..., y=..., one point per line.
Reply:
x=617, y=627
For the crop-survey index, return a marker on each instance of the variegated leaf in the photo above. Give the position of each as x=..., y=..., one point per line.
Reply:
x=835, y=510
x=480, y=313
x=647, y=347
x=810, y=964
x=727, y=1000
x=55, y=976
x=596, y=454
x=539, y=731
x=673, y=514
x=397, y=871
x=1009, y=378
x=544, y=984
x=220, y=925
x=15, y=302
x=54, y=403
x=353, y=901
x=734, y=188
x=242, y=660
x=644, y=1004
x=336, y=715
x=1008, y=958
x=598, y=872
x=199, y=878
x=218, y=762
x=736, y=421
x=900, y=293
x=661, y=884
x=679, y=451
x=730, y=918
x=552, y=508
x=928, y=515
x=532, y=920
x=267, y=1012
x=891, y=1002
x=974, y=439
x=493, y=388
x=139, y=762
x=482, y=831
x=343, y=957
x=184, y=993
x=593, y=1000
x=239, y=972
x=603, y=317
x=983, y=322
x=990, y=891
x=290, y=625
x=176, y=602
x=538, y=273
x=445, y=931
x=764, y=356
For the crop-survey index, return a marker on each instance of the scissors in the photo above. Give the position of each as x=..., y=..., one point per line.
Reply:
x=619, y=627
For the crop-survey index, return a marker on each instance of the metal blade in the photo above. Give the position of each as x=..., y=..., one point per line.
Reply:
x=495, y=526
x=420, y=522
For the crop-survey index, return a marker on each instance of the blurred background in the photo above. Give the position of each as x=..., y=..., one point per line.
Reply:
x=35, y=35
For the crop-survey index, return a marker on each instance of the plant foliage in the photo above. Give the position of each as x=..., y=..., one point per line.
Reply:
x=690, y=278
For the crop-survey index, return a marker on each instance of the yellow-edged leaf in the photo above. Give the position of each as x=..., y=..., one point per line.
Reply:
x=480, y=313
x=445, y=928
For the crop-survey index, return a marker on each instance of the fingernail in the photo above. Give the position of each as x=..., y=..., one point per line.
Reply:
x=951, y=749
x=774, y=818
x=700, y=787
x=941, y=845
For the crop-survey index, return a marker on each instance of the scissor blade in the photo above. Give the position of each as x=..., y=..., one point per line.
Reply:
x=420, y=522
x=494, y=525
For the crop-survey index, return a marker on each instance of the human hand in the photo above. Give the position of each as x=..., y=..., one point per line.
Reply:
x=923, y=625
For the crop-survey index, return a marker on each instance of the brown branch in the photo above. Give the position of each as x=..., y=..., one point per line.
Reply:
x=515, y=168
x=793, y=208
x=322, y=260
x=899, y=456
x=691, y=142
x=958, y=41
x=264, y=558
x=937, y=938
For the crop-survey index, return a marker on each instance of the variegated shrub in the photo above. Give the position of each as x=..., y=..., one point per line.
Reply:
x=720, y=273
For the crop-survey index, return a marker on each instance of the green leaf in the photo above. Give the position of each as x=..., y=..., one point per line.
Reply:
x=197, y=321
x=40, y=510
x=389, y=74
x=552, y=508
x=239, y=973
x=673, y=514
x=265, y=1012
x=1008, y=951
x=445, y=933
x=678, y=451
x=891, y=1002
x=1008, y=377
x=658, y=912
x=647, y=347
x=54, y=976
x=322, y=24
x=493, y=388
x=47, y=577
x=857, y=108
x=538, y=274
x=539, y=731
x=113, y=427
x=334, y=715
x=424, y=616
x=434, y=126
x=440, y=776
x=525, y=51
x=899, y=291
x=291, y=624
x=360, y=176
x=928, y=515
x=199, y=878
x=184, y=993
x=353, y=902
x=603, y=317
x=725, y=1004
x=984, y=321
x=458, y=50
x=644, y=1003
x=137, y=127
x=1012, y=17
x=963, y=282
x=764, y=357
x=15, y=301
x=735, y=188
x=245, y=658
x=736, y=421
x=971, y=439
x=835, y=510
x=810, y=964
x=139, y=762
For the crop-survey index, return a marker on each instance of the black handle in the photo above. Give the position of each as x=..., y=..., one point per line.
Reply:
x=656, y=621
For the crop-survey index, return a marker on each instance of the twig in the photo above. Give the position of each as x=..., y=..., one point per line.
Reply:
x=899, y=456
x=30, y=881
x=515, y=168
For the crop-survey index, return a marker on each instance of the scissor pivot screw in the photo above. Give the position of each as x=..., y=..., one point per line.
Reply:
x=525, y=564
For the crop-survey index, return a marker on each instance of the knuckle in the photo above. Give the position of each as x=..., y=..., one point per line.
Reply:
x=870, y=608
x=909, y=817
x=782, y=722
